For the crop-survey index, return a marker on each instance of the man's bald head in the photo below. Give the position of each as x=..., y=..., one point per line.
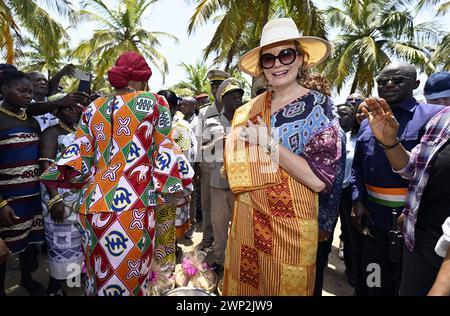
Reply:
x=397, y=82
x=405, y=69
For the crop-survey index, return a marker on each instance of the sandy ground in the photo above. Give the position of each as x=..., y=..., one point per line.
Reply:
x=335, y=283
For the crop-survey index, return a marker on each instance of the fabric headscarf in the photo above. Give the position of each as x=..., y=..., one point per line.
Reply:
x=130, y=66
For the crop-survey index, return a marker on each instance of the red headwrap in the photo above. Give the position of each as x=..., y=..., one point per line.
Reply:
x=130, y=66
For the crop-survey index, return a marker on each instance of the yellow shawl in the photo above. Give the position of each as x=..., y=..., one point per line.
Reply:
x=247, y=167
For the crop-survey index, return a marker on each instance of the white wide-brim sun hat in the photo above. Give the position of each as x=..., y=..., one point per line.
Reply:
x=280, y=30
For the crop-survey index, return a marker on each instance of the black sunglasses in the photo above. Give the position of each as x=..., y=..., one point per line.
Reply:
x=286, y=57
x=399, y=79
x=354, y=101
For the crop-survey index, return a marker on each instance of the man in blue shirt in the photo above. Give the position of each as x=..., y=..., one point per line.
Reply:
x=378, y=192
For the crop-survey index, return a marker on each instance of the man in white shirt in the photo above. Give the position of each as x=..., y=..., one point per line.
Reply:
x=215, y=77
x=43, y=88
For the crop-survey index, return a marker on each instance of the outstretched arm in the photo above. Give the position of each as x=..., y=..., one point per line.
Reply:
x=75, y=98
x=53, y=83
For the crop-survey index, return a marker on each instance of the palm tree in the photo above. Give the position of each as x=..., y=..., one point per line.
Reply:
x=121, y=31
x=196, y=82
x=241, y=23
x=34, y=58
x=15, y=14
x=371, y=32
x=442, y=53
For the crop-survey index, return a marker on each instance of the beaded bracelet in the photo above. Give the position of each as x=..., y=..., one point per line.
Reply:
x=47, y=159
x=50, y=205
x=56, y=197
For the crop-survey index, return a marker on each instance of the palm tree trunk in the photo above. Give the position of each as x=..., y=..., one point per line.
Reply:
x=355, y=80
x=266, y=8
x=354, y=84
x=230, y=56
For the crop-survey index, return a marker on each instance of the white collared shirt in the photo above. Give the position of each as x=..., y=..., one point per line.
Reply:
x=45, y=120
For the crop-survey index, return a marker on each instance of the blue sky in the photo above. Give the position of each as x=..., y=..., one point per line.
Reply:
x=172, y=16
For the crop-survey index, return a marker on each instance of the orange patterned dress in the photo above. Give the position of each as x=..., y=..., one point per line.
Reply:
x=273, y=238
x=125, y=163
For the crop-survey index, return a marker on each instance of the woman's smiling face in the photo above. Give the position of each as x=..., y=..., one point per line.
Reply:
x=280, y=75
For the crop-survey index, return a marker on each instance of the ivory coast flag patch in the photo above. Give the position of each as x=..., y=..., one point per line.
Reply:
x=390, y=197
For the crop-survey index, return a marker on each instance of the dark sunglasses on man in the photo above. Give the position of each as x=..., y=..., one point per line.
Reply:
x=286, y=57
x=398, y=79
x=354, y=101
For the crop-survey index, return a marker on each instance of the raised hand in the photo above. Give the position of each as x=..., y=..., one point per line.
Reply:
x=255, y=133
x=68, y=70
x=382, y=122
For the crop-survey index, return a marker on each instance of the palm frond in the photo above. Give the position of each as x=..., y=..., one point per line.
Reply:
x=203, y=12
x=444, y=8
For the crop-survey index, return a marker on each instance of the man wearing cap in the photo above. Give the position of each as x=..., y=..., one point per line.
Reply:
x=215, y=77
x=202, y=99
x=437, y=88
x=217, y=127
x=259, y=86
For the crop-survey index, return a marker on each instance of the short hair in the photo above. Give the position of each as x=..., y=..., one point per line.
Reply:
x=34, y=73
x=8, y=67
x=8, y=76
x=189, y=99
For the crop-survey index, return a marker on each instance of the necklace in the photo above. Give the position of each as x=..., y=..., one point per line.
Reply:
x=22, y=116
x=65, y=127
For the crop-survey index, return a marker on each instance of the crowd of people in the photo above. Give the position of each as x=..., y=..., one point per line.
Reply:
x=112, y=183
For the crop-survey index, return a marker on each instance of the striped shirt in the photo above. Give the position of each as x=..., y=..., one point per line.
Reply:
x=417, y=171
x=20, y=186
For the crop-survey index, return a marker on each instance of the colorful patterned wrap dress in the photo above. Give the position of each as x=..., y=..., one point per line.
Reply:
x=124, y=161
x=184, y=137
x=63, y=239
x=272, y=245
